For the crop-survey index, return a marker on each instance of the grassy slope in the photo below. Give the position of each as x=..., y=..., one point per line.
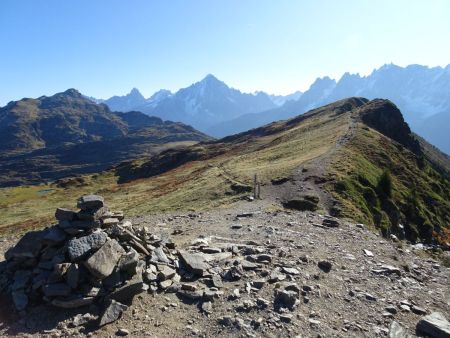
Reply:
x=420, y=196
x=195, y=185
x=354, y=169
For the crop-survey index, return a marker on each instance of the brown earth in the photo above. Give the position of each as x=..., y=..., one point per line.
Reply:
x=348, y=301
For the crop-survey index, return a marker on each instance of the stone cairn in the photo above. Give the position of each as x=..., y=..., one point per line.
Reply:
x=94, y=257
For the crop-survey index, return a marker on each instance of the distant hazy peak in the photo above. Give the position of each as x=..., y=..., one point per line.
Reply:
x=160, y=94
x=135, y=92
x=210, y=77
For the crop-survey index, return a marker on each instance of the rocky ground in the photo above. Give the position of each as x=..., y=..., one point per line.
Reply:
x=286, y=274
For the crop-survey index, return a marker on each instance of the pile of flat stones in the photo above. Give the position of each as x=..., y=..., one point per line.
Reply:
x=90, y=257
x=96, y=261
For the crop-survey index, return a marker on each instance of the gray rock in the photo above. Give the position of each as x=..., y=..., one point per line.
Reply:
x=78, y=248
x=290, y=271
x=286, y=317
x=166, y=273
x=72, y=302
x=28, y=246
x=396, y=330
x=129, y=261
x=391, y=309
x=21, y=279
x=195, y=262
x=191, y=295
x=82, y=319
x=110, y=221
x=20, y=300
x=259, y=283
x=112, y=312
x=158, y=256
x=165, y=283
x=325, y=266
x=122, y=332
x=62, y=214
x=102, y=263
x=207, y=307
x=92, y=215
x=73, y=275
x=90, y=202
x=331, y=223
x=59, y=270
x=40, y=279
x=56, y=289
x=368, y=253
x=84, y=225
x=418, y=310
x=286, y=299
x=131, y=288
x=434, y=325
x=370, y=297
x=246, y=265
x=54, y=235
x=217, y=281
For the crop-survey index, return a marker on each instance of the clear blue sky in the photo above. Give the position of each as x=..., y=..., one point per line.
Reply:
x=106, y=47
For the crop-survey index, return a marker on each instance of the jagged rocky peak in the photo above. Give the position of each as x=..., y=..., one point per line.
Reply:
x=210, y=81
x=72, y=92
x=135, y=93
x=384, y=116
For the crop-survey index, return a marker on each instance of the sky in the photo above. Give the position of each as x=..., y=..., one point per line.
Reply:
x=107, y=47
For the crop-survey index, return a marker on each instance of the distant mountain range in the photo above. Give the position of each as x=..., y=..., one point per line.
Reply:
x=67, y=134
x=422, y=93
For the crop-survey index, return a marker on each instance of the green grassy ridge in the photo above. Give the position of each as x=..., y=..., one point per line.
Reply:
x=420, y=195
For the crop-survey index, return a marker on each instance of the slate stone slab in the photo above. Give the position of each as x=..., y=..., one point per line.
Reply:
x=112, y=312
x=72, y=302
x=57, y=289
x=92, y=215
x=62, y=214
x=101, y=264
x=54, y=235
x=132, y=287
x=21, y=279
x=20, y=300
x=396, y=330
x=434, y=325
x=28, y=246
x=78, y=248
x=129, y=261
x=73, y=275
x=195, y=262
x=90, y=202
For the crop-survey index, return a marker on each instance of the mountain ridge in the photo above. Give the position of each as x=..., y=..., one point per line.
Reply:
x=419, y=91
x=332, y=157
x=67, y=134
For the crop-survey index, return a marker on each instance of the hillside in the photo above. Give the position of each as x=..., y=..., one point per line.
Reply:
x=335, y=155
x=420, y=93
x=330, y=159
x=66, y=134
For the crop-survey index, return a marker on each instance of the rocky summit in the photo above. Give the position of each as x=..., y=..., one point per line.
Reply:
x=231, y=272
